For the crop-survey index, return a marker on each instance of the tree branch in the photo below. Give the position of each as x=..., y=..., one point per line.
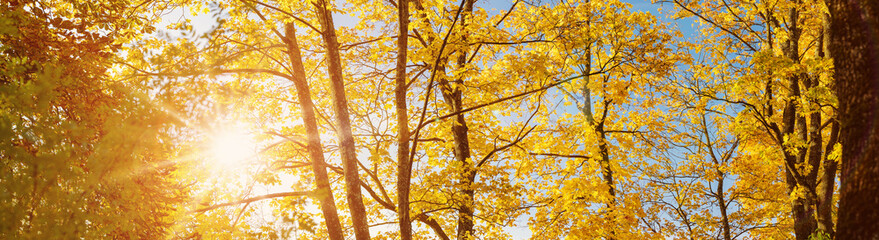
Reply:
x=254, y=199
x=559, y=155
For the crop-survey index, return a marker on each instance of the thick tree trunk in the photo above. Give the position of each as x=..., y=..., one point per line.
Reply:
x=404, y=164
x=324, y=192
x=854, y=45
x=343, y=122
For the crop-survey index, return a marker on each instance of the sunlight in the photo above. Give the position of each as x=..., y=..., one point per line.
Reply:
x=231, y=149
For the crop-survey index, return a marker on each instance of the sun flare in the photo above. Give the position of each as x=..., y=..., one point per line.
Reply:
x=232, y=148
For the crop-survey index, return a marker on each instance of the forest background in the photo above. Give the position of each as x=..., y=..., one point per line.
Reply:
x=433, y=119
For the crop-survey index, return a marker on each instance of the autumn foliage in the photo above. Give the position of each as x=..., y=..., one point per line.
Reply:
x=431, y=119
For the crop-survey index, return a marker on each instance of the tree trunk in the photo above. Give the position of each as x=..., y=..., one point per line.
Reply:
x=346, y=139
x=324, y=192
x=724, y=216
x=604, y=162
x=452, y=93
x=607, y=173
x=604, y=152
x=855, y=49
x=719, y=161
x=828, y=176
x=404, y=164
x=825, y=189
x=794, y=125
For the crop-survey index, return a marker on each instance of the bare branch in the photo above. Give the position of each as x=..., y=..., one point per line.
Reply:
x=254, y=199
x=560, y=155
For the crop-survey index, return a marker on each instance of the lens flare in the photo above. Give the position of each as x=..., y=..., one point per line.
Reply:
x=232, y=148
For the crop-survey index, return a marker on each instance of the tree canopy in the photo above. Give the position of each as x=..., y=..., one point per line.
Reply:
x=426, y=119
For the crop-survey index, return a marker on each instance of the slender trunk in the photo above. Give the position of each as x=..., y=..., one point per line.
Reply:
x=854, y=47
x=768, y=109
x=825, y=189
x=607, y=173
x=404, y=164
x=824, y=201
x=587, y=95
x=324, y=192
x=452, y=93
x=604, y=162
x=440, y=71
x=724, y=218
x=462, y=154
x=718, y=163
x=606, y=169
x=794, y=125
x=346, y=139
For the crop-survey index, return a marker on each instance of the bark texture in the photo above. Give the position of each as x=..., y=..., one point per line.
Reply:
x=404, y=164
x=343, y=122
x=854, y=45
x=324, y=192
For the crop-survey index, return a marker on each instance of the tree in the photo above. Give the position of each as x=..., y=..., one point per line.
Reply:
x=315, y=148
x=852, y=44
x=594, y=156
x=767, y=51
x=590, y=119
x=452, y=93
x=404, y=163
x=343, y=122
x=84, y=153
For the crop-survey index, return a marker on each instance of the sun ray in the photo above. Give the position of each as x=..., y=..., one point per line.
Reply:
x=232, y=148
